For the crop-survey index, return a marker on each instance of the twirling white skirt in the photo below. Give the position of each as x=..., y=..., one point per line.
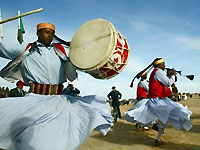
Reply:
x=53, y=122
x=165, y=110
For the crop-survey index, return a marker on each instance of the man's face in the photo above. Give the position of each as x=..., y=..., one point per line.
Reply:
x=45, y=36
x=161, y=66
x=20, y=87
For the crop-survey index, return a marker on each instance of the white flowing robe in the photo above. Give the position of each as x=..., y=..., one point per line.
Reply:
x=49, y=122
x=164, y=110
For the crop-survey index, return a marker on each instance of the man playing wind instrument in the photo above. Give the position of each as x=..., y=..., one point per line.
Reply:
x=158, y=107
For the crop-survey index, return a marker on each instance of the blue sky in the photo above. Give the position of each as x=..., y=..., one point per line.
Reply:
x=153, y=28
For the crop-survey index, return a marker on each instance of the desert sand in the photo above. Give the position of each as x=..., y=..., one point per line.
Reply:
x=124, y=136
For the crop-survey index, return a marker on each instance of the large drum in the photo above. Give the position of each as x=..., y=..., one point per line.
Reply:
x=99, y=49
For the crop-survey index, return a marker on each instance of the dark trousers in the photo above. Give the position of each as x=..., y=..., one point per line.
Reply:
x=117, y=109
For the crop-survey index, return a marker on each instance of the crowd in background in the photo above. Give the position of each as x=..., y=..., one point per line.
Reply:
x=4, y=91
x=15, y=92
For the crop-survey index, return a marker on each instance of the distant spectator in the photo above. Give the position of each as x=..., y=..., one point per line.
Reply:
x=184, y=96
x=18, y=91
x=6, y=92
x=71, y=90
x=1, y=92
x=179, y=96
x=115, y=95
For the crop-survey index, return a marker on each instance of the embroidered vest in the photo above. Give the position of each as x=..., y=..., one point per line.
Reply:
x=156, y=89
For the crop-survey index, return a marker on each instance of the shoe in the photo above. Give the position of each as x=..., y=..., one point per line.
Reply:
x=138, y=127
x=159, y=143
x=155, y=127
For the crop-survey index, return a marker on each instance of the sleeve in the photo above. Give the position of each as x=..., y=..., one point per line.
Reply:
x=76, y=91
x=11, y=53
x=70, y=71
x=109, y=95
x=144, y=84
x=160, y=75
x=120, y=95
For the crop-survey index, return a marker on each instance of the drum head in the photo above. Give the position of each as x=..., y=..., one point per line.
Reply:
x=91, y=44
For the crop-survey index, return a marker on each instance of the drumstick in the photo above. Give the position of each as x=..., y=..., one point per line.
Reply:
x=22, y=15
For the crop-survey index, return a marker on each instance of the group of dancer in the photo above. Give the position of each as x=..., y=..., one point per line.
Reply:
x=153, y=103
x=45, y=119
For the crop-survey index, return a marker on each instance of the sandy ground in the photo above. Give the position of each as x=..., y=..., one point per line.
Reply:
x=124, y=136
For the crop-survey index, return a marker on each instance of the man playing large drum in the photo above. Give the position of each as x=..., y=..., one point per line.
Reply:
x=44, y=119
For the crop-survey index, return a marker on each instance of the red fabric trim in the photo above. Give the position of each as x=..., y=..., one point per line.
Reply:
x=28, y=46
x=61, y=48
x=59, y=90
x=47, y=89
x=41, y=88
x=35, y=88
